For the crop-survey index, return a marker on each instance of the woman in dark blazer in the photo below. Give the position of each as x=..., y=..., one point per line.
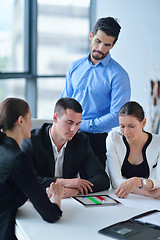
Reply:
x=17, y=179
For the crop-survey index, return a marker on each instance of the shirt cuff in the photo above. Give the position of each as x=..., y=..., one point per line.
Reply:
x=156, y=183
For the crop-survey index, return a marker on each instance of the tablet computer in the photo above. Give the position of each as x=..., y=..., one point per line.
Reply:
x=96, y=200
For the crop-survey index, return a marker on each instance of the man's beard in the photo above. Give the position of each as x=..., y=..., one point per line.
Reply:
x=98, y=58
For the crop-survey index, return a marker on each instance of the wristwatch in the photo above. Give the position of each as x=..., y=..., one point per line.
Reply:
x=144, y=183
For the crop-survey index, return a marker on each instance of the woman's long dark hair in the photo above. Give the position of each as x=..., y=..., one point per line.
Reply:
x=10, y=110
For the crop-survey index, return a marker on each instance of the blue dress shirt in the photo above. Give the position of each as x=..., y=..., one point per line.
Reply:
x=101, y=90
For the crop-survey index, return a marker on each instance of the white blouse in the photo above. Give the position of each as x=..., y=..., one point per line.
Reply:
x=116, y=152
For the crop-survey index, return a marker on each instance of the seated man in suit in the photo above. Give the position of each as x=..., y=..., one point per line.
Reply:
x=59, y=151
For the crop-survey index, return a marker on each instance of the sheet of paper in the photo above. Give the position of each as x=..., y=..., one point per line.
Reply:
x=135, y=201
x=153, y=218
x=138, y=201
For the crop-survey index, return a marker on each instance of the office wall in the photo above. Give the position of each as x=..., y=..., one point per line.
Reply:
x=138, y=47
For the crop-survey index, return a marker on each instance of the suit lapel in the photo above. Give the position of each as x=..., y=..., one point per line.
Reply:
x=67, y=162
x=49, y=151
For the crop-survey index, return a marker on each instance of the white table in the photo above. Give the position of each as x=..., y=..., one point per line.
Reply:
x=78, y=222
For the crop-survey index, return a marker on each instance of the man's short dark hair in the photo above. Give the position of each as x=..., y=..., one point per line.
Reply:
x=67, y=103
x=109, y=26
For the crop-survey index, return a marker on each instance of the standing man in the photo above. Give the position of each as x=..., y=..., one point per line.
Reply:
x=100, y=85
x=59, y=152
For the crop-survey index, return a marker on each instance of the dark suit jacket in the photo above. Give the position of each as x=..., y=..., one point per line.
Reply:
x=78, y=158
x=18, y=183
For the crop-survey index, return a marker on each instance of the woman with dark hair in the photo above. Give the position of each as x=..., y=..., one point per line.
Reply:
x=17, y=179
x=133, y=155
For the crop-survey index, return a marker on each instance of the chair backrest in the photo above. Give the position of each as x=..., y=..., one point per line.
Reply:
x=36, y=123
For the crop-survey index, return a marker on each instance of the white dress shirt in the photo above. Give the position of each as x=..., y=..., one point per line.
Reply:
x=58, y=157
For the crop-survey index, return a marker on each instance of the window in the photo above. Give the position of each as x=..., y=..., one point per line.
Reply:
x=63, y=31
x=12, y=36
x=63, y=28
x=12, y=87
x=38, y=41
x=49, y=90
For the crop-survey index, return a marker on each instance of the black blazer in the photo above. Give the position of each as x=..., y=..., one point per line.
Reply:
x=78, y=158
x=18, y=183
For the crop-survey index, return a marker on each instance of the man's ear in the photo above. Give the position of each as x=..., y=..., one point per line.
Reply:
x=143, y=122
x=90, y=36
x=55, y=117
x=20, y=121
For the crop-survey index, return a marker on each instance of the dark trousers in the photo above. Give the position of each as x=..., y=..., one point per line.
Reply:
x=98, y=144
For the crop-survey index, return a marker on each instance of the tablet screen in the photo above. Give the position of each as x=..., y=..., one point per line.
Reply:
x=96, y=200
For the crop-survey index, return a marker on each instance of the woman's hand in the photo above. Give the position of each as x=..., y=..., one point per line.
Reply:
x=155, y=193
x=130, y=185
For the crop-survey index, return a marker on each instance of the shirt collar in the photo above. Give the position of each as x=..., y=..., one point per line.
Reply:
x=104, y=61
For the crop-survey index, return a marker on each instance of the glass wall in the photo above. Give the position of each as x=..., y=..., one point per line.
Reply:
x=63, y=29
x=12, y=36
x=63, y=36
x=49, y=90
x=38, y=41
x=12, y=87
